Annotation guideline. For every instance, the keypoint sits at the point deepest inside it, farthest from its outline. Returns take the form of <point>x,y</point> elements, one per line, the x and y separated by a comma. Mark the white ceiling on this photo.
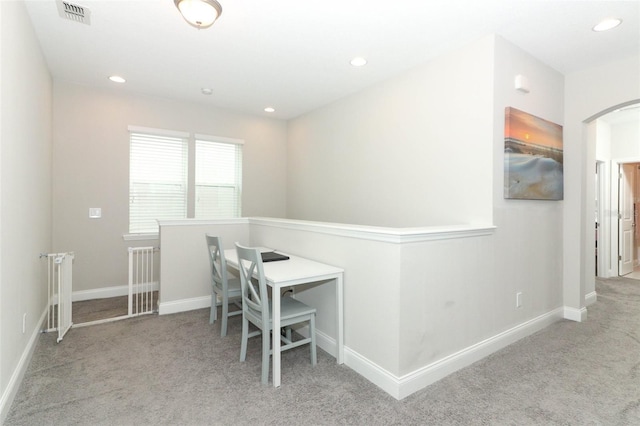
<point>294,54</point>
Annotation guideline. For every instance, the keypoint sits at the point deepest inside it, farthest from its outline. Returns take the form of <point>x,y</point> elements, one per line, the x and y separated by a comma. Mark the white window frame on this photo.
<point>191,172</point>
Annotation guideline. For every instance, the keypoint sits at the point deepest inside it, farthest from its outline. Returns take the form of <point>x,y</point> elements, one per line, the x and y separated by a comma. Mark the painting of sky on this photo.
<point>533,157</point>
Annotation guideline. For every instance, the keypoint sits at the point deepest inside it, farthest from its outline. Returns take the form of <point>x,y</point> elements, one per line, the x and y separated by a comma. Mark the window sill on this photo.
<point>140,237</point>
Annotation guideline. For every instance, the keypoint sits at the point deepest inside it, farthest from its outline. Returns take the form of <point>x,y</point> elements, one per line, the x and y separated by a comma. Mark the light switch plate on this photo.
<point>95,213</point>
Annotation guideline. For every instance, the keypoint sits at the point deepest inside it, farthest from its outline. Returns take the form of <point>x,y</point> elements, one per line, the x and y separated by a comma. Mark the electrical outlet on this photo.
<point>24,323</point>
<point>519,299</point>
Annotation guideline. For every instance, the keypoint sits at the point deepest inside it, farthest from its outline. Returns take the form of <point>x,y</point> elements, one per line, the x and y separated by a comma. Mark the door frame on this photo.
<point>603,220</point>
<point>609,231</point>
<point>626,218</point>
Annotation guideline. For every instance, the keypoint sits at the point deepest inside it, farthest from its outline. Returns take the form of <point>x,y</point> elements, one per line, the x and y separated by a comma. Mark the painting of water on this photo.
<point>532,157</point>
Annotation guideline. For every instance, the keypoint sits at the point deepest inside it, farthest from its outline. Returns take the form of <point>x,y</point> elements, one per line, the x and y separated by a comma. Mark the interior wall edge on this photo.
<point>7,397</point>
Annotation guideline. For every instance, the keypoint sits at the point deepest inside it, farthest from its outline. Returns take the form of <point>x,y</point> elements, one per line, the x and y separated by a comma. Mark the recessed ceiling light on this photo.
<point>117,79</point>
<point>358,62</point>
<point>270,109</point>
<point>206,91</point>
<point>607,24</point>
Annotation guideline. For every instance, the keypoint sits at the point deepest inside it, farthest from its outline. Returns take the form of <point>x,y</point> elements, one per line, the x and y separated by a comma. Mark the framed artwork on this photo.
<point>533,157</point>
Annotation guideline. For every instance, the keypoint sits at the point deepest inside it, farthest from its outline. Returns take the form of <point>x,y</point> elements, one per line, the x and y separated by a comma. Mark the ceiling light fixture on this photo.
<point>199,13</point>
<point>206,91</point>
<point>270,109</point>
<point>607,24</point>
<point>117,79</point>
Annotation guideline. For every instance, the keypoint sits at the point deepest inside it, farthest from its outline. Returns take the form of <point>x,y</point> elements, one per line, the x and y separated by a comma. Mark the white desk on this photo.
<point>285,273</point>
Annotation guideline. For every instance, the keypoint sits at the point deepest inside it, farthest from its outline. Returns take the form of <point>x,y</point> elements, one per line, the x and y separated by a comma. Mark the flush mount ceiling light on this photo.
<point>270,109</point>
<point>199,13</point>
<point>607,24</point>
<point>117,79</point>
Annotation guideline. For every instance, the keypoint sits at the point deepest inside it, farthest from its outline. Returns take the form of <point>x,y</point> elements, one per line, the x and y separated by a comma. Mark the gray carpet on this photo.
<point>111,307</point>
<point>99,309</point>
<point>177,370</point>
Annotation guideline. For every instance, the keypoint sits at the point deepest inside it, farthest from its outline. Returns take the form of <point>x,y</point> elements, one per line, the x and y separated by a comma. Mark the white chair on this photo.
<point>228,289</point>
<point>256,309</point>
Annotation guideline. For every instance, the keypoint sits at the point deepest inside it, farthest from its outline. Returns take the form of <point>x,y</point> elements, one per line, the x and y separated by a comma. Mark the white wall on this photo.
<point>91,169</point>
<point>185,275</point>
<point>449,300</point>
<point>414,150</point>
<point>528,251</point>
<point>25,193</point>
<point>625,139</point>
<point>599,134</point>
<point>443,304</point>
<point>588,93</point>
<point>603,140</point>
<point>450,119</point>
<point>469,287</point>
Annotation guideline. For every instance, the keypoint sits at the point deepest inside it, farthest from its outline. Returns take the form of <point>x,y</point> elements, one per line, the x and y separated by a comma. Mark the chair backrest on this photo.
<point>217,262</point>
<point>255,299</point>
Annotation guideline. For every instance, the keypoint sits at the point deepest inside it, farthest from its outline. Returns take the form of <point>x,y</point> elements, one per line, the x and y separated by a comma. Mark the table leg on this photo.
<point>340,319</point>
<point>275,296</point>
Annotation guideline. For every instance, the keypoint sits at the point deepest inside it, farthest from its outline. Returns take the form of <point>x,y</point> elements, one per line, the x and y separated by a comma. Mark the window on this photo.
<point>165,182</point>
<point>218,177</point>
<point>157,180</point>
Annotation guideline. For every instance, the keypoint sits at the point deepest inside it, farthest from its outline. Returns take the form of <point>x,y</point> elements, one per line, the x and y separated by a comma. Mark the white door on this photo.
<point>626,220</point>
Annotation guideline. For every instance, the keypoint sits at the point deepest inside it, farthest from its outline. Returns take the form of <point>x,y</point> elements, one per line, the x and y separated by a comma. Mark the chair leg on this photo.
<point>214,311</point>
<point>312,331</point>
<point>266,345</point>
<point>225,315</point>
<point>245,337</point>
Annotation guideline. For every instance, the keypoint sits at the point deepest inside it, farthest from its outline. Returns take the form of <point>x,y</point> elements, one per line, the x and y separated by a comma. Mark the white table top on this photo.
<point>295,270</point>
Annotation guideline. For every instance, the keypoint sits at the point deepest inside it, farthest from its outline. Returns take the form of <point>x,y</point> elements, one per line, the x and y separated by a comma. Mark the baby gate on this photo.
<point>142,286</point>
<point>59,287</point>
<point>142,289</point>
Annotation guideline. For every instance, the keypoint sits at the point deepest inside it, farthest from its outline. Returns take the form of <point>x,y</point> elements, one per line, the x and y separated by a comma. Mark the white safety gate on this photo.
<point>142,285</point>
<point>59,290</point>
<point>142,289</point>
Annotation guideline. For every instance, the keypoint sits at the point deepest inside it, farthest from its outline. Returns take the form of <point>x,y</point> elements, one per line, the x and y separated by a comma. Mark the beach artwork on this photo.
<point>532,157</point>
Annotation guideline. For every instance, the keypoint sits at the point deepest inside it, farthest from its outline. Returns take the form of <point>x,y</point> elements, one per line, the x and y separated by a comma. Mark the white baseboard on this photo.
<point>590,298</point>
<point>371,371</point>
<point>327,343</point>
<point>105,292</point>
<point>323,340</point>
<point>573,314</point>
<point>18,374</point>
<point>184,305</point>
<point>403,386</point>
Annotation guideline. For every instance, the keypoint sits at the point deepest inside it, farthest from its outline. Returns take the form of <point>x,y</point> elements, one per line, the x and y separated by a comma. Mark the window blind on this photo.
<point>218,179</point>
<point>157,180</point>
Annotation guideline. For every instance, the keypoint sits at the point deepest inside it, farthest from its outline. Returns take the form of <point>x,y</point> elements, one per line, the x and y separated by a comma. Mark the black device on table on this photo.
<point>272,256</point>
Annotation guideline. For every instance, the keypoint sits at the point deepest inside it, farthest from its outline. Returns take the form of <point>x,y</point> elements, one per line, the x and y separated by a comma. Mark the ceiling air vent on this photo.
<point>74,12</point>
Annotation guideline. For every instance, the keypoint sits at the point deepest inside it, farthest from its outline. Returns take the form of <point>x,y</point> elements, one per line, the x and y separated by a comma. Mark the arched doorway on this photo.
<point>617,155</point>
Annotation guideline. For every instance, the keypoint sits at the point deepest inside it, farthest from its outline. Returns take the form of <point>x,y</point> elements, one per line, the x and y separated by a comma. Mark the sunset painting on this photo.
<point>532,157</point>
